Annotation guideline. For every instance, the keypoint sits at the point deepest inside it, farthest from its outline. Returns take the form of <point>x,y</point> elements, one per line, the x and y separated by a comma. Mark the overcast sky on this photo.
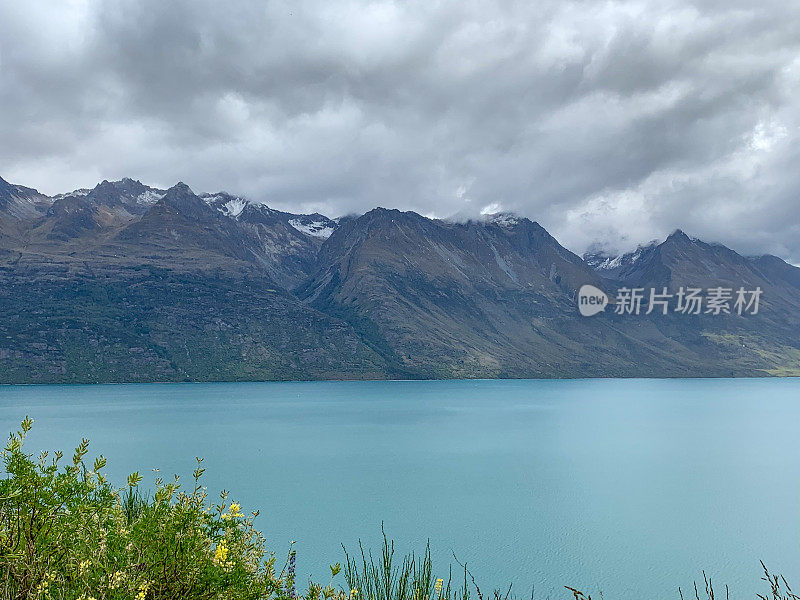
<point>608,122</point>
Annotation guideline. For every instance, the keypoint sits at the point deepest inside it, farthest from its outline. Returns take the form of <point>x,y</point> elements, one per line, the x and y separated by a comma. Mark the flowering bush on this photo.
<point>66,533</point>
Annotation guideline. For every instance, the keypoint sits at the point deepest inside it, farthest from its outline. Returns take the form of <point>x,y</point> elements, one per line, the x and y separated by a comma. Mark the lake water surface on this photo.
<point>626,486</point>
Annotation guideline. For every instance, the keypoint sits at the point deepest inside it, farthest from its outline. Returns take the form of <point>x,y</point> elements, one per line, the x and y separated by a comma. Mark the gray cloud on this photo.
<point>608,122</point>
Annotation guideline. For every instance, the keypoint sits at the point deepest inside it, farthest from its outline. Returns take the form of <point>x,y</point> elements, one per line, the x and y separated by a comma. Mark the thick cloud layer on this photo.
<point>608,122</point>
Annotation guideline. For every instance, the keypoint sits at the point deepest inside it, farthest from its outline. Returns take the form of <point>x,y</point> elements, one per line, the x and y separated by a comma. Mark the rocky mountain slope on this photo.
<point>684,262</point>
<point>125,282</point>
<point>178,292</point>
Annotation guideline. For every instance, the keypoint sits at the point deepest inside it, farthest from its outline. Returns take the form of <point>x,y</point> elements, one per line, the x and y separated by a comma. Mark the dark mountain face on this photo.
<point>769,339</point>
<point>494,299</point>
<point>174,294</point>
<point>285,244</point>
<point>8,193</point>
<point>680,260</point>
<point>21,202</point>
<point>19,205</point>
<point>182,223</point>
<point>109,320</point>
<point>127,282</point>
<point>127,217</point>
<point>71,217</point>
<point>520,256</point>
<point>776,269</point>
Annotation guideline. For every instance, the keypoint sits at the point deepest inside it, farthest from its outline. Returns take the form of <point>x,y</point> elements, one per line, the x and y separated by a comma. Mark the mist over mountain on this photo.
<point>126,282</point>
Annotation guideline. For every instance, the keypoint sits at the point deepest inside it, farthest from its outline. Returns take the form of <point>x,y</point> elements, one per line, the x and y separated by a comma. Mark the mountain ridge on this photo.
<point>125,282</point>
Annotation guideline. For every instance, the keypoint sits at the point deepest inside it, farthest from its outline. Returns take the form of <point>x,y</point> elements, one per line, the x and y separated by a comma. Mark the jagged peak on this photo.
<point>380,210</point>
<point>124,182</point>
<point>241,209</point>
<point>179,190</point>
<point>126,192</point>
<point>180,199</point>
<point>679,235</point>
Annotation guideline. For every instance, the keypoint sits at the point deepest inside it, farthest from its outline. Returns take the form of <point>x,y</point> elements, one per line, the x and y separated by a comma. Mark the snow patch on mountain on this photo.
<point>149,197</point>
<point>320,229</point>
<point>233,208</point>
<point>78,193</point>
<point>502,219</point>
<point>608,263</point>
<point>230,206</point>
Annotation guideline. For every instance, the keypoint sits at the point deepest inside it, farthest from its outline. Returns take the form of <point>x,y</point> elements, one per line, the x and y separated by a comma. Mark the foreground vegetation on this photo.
<point>67,534</point>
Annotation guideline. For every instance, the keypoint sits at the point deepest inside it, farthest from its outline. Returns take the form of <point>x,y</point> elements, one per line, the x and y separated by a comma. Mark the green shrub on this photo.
<point>66,533</point>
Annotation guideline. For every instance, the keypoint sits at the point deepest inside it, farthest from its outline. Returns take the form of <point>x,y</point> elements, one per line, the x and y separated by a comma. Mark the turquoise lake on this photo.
<point>631,487</point>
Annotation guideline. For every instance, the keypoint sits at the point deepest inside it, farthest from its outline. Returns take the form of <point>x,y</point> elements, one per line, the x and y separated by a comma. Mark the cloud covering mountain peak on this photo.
<point>600,120</point>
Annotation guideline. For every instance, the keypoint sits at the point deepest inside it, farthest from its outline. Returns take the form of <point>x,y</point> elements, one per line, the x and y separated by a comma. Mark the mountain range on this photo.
<point>126,282</point>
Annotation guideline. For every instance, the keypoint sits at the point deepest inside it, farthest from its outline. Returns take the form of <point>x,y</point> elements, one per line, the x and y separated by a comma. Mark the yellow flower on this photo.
<point>353,592</point>
<point>142,594</point>
<point>234,511</point>
<point>221,553</point>
<point>116,579</point>
<point>438,586</point>
<point>44,585</point>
